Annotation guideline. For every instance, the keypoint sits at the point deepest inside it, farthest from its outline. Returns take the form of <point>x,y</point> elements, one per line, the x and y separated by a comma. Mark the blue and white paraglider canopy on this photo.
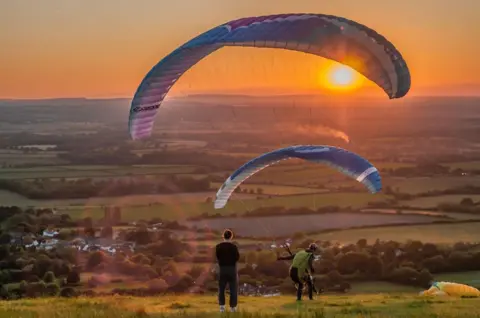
<point>345,161</point>
<point>331,37</point>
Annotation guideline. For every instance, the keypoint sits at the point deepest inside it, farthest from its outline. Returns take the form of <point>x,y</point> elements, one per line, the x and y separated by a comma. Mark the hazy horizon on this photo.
<point>234,94</point>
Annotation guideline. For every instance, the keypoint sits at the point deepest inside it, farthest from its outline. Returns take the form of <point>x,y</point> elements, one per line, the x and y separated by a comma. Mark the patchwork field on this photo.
<point>434,233</point>
<point>451,215</point>
<point>18,157</point>
<point>274,189</point>
<point>339,306</point>
<point>288,225</point>
<point>293,186</point>
<point>469,165</point>
<point>432,202</point>
<point>419,185</point>
<point>237,205</point>
<point>299,175</point>
<point>313,201</point>
<point>319,176</point>
<point>181,205</point>
<point>145,200</point>
<point>75,172</point>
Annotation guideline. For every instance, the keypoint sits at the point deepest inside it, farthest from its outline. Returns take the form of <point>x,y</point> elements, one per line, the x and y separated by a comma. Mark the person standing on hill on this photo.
<point>227,257</point>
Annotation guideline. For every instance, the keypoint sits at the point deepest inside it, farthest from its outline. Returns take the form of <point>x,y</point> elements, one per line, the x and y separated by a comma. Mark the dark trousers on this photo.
<point>228,275</point>
<point>301,283</point>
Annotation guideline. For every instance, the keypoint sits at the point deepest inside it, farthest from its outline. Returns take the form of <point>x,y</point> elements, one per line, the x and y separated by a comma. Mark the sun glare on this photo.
<point>341,78</point>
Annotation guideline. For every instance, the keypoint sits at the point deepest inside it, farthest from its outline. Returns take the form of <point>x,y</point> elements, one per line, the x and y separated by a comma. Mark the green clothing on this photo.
<point>301,262</point>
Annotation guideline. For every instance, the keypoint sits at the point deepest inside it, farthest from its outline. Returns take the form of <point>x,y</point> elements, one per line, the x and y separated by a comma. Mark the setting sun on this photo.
<point>340,78</point>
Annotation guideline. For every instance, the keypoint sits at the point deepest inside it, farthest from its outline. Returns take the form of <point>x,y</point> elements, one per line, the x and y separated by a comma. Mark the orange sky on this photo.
<point>92,48</point>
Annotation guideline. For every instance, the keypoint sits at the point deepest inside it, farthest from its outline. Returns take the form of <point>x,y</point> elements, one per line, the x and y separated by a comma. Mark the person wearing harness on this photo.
<point>301,269</point>
<point>227,257</point>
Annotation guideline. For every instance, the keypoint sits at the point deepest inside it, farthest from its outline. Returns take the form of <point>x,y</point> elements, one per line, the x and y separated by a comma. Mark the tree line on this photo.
<point>31,273</point>
<point>43,189</point>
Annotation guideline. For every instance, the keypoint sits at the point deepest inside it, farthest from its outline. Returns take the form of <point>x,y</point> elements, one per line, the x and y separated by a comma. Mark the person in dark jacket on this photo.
<point>227,257</point>
<point>301,269</point>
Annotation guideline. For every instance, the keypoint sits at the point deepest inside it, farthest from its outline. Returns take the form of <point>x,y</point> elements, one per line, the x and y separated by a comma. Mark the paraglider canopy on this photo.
<point>346,162</point>
<point>451,289</point>
<point>331,37</point>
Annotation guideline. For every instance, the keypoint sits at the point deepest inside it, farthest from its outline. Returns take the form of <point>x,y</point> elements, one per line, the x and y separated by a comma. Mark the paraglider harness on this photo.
<point>310,278</point>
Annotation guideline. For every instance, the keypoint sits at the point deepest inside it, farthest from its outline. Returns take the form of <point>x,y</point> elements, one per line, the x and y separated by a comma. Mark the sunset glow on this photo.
<point>107,54</point>
<point>340,78</point>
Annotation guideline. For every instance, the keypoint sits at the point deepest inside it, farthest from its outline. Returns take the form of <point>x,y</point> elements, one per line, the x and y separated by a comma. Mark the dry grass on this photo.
<point>373,305</point>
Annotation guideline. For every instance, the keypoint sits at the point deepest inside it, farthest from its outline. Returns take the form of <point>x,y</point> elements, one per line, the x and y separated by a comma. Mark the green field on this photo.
<point>452,215</point>
<point>296,175</point>
<point>469,278</point>
<point>18,157</point>
<point>434,233</point>
<point>312,178</point>
<point>469,165</point>
<point>361,305</point>
<point>313,201</point>
<point>182,210</point>
<point>432,202</point>
<point>181,205</point>
<point>75,172</point>
<point>300,175</point>
<point>286,225</point>
<point>311,175</point>
<point>419,185</point>
<point>275,189</point>
<point>144,200</point>
<point>392,165</point>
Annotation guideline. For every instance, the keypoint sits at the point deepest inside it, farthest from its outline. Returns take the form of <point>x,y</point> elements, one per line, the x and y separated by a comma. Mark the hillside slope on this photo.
<point>378,305</point>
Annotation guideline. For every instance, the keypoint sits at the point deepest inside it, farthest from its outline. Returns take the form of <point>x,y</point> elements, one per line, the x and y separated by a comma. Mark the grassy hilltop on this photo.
<point>379,305</point>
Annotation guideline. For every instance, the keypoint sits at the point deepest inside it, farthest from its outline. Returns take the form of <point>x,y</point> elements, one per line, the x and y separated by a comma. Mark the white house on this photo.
<point>48,233</point>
